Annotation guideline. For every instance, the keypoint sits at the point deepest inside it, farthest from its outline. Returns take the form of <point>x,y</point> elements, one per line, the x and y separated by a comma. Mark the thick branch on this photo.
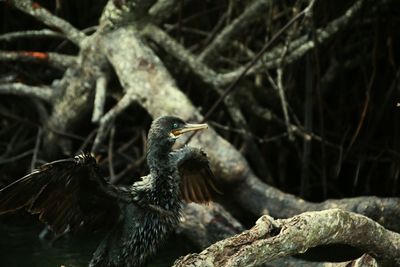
<point>143,76</point>
<point>205,225</point>
<point>77,91</point>
<point>295,235</point>
<point>259,198</point>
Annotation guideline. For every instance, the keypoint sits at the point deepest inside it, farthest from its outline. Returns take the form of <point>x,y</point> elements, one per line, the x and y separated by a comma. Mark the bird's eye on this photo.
<point>175,125</point>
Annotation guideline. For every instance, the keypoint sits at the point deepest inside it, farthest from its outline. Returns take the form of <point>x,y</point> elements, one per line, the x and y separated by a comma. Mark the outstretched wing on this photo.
<point>68,193</point>
<point>198,183</point>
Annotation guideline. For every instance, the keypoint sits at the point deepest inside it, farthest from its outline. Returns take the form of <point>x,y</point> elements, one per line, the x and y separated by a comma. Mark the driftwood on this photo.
<point>205,225</point>
<point>121,44</point>
<point>271,239</point>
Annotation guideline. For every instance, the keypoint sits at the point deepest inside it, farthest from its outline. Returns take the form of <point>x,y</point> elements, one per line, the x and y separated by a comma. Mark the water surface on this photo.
<point>20,246</point>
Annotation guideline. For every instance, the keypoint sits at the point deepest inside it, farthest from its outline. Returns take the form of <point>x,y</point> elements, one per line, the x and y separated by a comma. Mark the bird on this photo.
<point>71,194</point>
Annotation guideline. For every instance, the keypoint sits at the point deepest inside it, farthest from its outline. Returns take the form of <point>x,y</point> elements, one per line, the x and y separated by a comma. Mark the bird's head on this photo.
<point>171,128</point>
<point>165,130</point>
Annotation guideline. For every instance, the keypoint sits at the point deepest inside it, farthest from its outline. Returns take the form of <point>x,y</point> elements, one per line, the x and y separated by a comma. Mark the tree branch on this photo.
<point>163,9</point>
<point>56,60</point>
<point>41,92</point>
<point>148,80</point>
<point>179,52</point>
<point>271,239</point>
<point>100,98</point>
<point>229,33</point>
<point>109,117</point>
<point>259,198</point>
<point>296,49</point>
<point>299,47</point>
<point>10,36</point>
<point>43,15</point>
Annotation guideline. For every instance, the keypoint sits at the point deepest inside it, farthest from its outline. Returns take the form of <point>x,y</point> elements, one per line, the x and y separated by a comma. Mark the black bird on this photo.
<point>71,194</point>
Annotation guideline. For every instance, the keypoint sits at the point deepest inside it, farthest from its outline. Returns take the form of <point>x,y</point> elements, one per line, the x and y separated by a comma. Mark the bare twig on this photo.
<point>204,72</point>
<point>177,50</point>
<point>45,33</point>
<point>308,126</point>
<point>284,103</point>
<point>321,118</point>
<point>42,14</point>
<point>272,59</point>
<point>57,60</point>
<point>253,12</point>
<point>17,157</point>
<point>163,9</point>
<point>133,164</point>
<point>41,92</point>
<point>36,149</point>
<point>86,142</point>
<point>111,153</point>
<point>299,47</point>
<point>100,98</point>
<point>105,121</point>
<point>256,58</point>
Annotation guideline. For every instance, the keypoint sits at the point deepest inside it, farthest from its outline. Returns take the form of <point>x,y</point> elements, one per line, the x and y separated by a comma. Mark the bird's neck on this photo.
<point>158,151</point>
<point>164,189</point>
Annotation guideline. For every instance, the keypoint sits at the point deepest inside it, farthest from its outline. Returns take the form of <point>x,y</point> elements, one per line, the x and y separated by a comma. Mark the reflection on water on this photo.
<point>20,247</point>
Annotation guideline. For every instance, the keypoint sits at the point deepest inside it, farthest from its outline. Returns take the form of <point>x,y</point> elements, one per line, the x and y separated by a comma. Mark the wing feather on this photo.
<point>66,194</point>
<point>198,183</point>
<point>185,190</point>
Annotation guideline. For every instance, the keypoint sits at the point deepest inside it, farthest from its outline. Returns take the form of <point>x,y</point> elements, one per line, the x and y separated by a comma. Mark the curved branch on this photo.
<point>205,225</point>
<point>272,239</point>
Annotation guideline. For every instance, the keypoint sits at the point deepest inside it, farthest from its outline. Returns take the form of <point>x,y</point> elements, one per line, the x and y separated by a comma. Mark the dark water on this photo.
<point>20,247</point>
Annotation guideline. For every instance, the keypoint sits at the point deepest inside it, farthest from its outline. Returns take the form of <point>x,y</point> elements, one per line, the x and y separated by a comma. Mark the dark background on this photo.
<point>344,94</point>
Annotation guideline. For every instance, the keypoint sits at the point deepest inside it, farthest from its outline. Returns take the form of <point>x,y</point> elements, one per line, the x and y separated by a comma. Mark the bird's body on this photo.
<point>156,210</point>
<point>70,194</point>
